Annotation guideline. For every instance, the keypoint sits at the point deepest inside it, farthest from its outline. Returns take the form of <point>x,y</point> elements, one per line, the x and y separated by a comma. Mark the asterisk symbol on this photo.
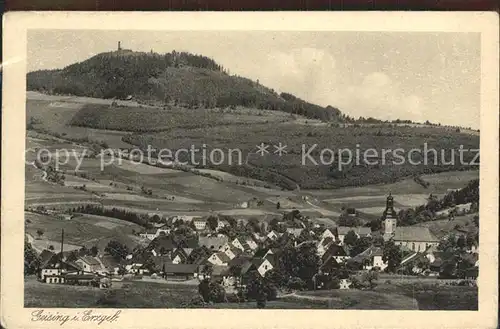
<point>262,149</point>
<point>280,149</point>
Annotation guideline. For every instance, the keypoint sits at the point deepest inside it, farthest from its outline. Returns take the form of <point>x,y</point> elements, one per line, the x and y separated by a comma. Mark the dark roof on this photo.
<point>361,230</point>
<point>258,261</point>
<point>414,233</point>
<point>164,242</point>
<point>181,268</point>
<point>240,260</point>
<point>368,253</point>
<point>334,250</point>
<point>326,241</point>
<point>109,261</point>
<point>160,261</point>
<point>223,257</point>
<point>215,242</point>
<point>245,267</point>
<point>45,257</point>
<point>77,276</point>
<point>329,262</point>
<point>90,260</point>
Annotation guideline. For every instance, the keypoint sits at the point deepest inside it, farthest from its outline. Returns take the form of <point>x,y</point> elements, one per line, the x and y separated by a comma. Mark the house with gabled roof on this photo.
<point>109,263</point>
<point>294,231</point>
<point>273,235</point>
<point>241,243</point>
<point>180,255</point>
<point>200,223</point>
<point>360,232</point>
<point>370,258</point>
<point>328,264</point>
<point>263,265</point>
<point>162,245</point>
<point>323,245</point>
<point>219,258</point>
<point>232,252</point>
<point>328,233</point>
<point>181,271</point>
<point>336,251</point>
<point>213,243</point>
<point>89,264</point>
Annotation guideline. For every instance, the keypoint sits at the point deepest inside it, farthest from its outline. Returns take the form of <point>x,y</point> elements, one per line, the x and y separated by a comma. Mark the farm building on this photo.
<point>213,242</point>
<point>359,231</point>
<point>89,264</point>
<point>181,271</point>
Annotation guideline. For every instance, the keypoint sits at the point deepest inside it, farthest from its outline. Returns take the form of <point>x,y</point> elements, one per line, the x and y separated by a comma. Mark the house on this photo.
<point>109,264</point>
<point>135,268</point>
<point>221,224</point>
<point>180,255</point>
<point>258,237</point>
<point>241,243</point>
<point>262,265</point>
<point>359,231</point>
<point>89,264</point>
<point>219,258</point>
<point>323,245</point>
<point>328,265</point>
<point>294,231</point>
<point>327,233</point>
<point>272,235</point>
<point>232,252</point>
<point>82,278</point>
<point>213,242</point>
<point>162,245</point>
<point>251,243</point>
<point>160,262</point>
<point>345,284</point>
<point>200,224</point>
<point>53,269</point>
<point>181,271</point>
<point>370,258</point>
<point>337,252</point>
<point>149,234</point>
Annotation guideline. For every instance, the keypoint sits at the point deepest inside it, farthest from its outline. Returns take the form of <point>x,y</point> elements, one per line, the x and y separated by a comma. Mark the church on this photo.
<point>415,238</point>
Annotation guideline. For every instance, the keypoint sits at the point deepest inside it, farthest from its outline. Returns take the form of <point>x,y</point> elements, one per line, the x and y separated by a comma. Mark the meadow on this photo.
<point>82,230</point>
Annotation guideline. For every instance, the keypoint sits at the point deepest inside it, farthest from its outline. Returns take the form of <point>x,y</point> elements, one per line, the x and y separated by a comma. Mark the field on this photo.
<point>140,294</point>
<point>82,230</point>
<point>422,296</point>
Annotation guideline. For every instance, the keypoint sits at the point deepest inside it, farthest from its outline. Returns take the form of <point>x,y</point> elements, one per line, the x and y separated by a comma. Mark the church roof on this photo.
<point>414,233</point>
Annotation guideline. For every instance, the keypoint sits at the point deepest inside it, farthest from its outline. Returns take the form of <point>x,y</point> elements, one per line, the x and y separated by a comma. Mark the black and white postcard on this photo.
<point>199,170</point>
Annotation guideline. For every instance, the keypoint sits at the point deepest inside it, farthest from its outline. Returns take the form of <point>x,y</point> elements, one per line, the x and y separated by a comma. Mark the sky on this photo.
<point>387,75</point>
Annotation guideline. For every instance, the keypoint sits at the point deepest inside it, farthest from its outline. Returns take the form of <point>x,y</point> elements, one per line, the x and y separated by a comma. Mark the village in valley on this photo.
<point>265,234</point>
<point>233,261</point>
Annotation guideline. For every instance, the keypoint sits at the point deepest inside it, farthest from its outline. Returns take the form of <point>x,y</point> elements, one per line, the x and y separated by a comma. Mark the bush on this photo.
<point>108,299</point>
<point>296,284</point>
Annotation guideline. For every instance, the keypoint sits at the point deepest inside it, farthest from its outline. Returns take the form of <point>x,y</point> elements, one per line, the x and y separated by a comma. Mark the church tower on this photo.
<point>119,45</point>
<point>390,218</point>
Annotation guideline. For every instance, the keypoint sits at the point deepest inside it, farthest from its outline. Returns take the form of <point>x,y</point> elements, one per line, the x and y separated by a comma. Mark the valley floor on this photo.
<point>142,294</point>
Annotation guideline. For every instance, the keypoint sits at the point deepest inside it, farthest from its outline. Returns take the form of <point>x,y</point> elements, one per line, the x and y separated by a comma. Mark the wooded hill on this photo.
<point>181,79</point>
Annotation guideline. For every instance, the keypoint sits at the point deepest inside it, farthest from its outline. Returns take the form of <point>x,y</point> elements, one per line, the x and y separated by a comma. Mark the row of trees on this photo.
<point>129,216</point>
